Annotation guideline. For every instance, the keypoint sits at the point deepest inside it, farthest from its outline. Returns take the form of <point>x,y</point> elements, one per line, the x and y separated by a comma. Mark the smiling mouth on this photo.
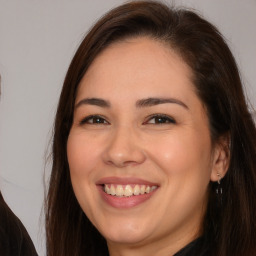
<point>127,190</point>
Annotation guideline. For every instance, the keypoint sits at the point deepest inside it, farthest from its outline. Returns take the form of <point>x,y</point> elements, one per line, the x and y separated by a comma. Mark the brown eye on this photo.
<point>94,119</point>
<point>160,119</point>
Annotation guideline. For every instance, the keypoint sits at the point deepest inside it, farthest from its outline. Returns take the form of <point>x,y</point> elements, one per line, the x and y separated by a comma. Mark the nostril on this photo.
<point>122,159</point>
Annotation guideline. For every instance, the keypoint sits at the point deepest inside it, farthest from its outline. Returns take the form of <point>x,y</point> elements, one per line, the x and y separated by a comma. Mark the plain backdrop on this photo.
<point>37,41</point>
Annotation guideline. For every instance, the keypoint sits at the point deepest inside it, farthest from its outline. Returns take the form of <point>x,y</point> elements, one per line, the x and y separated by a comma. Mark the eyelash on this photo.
<point>162,119</point>
<point>87,120</point>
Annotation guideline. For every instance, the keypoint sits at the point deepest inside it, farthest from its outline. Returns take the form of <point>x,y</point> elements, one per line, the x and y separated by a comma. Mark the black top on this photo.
<point>195,248</point>
<point>14,238</point>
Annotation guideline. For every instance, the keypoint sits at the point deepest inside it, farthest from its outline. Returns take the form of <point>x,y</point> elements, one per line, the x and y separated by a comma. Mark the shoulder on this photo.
<point>14,238</point>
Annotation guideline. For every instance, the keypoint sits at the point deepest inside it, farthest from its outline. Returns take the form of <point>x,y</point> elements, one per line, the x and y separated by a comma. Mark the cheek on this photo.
<point>81,155</point>
<point>182,154</point>
<point>82,159</point>
<point>185,161</point>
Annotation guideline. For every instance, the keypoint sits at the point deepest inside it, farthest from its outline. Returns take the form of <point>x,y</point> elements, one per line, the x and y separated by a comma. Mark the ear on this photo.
<point>221,158</point>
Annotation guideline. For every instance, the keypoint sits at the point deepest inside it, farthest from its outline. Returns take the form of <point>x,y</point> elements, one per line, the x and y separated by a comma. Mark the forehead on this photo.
<point>137,65</point>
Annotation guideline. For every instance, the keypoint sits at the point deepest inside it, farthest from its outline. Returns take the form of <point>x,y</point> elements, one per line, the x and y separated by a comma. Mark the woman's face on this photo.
<point>139,150</point>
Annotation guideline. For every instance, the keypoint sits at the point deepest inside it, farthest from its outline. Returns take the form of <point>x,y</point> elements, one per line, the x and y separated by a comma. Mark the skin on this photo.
<point>176,153</point>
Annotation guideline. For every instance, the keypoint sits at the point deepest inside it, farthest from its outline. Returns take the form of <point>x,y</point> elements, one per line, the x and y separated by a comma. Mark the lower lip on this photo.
<point>125,202</point>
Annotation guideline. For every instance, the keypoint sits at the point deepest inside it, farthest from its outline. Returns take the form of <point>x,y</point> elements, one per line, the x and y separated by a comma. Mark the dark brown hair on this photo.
<point>229,228</point>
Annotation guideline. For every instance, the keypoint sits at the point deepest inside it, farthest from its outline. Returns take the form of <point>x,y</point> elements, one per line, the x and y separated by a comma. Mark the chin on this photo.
<point>128,238</point>
<point>124,234</point>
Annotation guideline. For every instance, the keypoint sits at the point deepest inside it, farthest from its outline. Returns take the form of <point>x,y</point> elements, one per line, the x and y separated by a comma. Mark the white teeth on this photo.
<point>112,190</point>
<point>107,189</point>
<point>119,190</point>
<point>153,188</point>
<point>136,190</point>
<point>127,190</point>
<point>142,189</point>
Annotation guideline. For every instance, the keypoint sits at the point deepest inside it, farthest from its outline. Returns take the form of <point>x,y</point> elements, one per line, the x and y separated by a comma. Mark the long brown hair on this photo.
<point>229,227</point>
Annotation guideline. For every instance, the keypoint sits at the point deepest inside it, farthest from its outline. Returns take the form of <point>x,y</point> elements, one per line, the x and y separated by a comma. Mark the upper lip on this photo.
<point>125,181</point>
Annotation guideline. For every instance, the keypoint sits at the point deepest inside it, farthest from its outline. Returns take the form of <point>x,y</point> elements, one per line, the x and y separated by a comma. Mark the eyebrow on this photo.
<point>93,101</point>
<point>149,102</point>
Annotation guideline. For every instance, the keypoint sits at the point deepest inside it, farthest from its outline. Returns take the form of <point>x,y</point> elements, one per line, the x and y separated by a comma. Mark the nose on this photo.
<point>123,148</point>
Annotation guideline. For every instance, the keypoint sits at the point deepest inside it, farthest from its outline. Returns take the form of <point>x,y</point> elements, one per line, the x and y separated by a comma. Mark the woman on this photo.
<point>154,148</point>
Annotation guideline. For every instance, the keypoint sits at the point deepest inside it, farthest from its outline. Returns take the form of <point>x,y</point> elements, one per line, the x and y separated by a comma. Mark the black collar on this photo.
<point>195,248</point>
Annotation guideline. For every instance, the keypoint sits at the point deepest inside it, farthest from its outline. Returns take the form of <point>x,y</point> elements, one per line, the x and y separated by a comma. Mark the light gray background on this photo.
<point>37,41</point>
